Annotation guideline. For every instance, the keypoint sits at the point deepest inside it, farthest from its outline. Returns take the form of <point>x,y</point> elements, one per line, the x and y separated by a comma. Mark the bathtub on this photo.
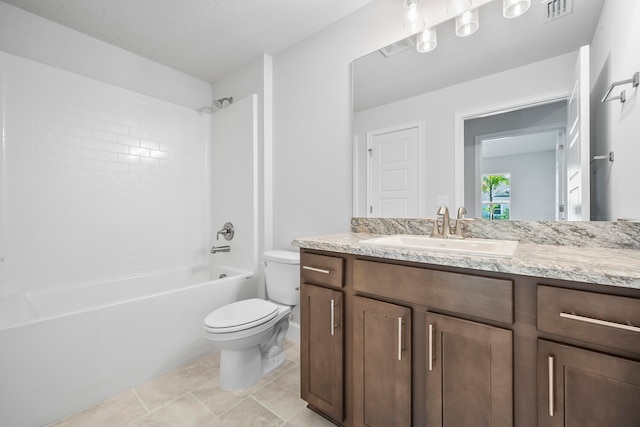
<point>62,351</point>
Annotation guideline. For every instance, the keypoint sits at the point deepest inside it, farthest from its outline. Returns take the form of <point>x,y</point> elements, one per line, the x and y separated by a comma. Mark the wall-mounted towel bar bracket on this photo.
<point>606,156</point>
<point>635,81</point>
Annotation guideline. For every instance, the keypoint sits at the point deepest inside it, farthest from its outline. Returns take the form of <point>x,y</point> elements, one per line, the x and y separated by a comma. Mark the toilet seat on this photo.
<point>241,315</point>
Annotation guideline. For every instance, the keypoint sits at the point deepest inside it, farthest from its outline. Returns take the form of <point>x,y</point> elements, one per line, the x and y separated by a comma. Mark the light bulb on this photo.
<point>427,40</point>
<point>467,23</point>
<point>514,8</point>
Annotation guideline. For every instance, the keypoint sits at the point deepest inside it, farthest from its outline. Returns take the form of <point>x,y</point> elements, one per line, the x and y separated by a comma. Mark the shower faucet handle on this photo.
<point>227,231</point>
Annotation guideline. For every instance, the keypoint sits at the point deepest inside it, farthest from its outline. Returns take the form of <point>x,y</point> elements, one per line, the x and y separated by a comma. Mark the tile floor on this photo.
<point>189,396</point>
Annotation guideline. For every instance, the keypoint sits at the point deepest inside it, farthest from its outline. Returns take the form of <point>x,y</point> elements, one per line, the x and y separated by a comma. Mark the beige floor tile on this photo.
<point>168,387</point>
<point>292,351</point>
<point>248,413</point>
<point>307,418</point>
<point>218,401</point>
<point>282,395</point>
<point>115,411</point>
<point>185,411</point>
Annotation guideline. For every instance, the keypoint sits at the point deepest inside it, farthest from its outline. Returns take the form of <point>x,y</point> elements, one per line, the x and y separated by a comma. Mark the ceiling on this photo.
<point>203,38</point>
<point>499,44</point>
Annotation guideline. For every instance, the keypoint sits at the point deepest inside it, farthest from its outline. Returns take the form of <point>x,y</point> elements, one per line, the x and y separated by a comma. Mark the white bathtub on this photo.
<point>64,350</point>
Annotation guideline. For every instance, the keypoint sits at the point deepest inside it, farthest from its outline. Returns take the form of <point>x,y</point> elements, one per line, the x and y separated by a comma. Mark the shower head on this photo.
<point>220,102</point>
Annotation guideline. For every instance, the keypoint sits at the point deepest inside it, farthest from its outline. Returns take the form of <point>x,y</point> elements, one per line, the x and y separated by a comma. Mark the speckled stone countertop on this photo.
<point>604,266</point>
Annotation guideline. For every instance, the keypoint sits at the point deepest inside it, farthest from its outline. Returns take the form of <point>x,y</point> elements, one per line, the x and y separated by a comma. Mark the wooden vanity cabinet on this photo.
<point>413,344</point>
<point>469,379</point>
<point>381,363</point>
<point>584,388</point>
<point>322,335</point>
<point>579,386</point>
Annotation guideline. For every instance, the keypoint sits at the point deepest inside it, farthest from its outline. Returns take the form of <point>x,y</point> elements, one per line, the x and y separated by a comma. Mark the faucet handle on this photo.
<point>227,231</point>
<point>461,212</point>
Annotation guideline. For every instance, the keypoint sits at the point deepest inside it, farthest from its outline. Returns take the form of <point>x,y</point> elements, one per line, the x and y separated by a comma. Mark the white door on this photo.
<point>577,153</point>
<point>394,174</point>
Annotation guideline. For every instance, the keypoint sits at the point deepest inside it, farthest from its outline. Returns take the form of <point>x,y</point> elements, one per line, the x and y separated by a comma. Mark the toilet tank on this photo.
<point>282,276</point>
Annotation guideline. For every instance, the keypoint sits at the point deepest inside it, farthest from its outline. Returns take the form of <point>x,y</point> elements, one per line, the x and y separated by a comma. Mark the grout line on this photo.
<point>141,401</point>
<point>266,407</point>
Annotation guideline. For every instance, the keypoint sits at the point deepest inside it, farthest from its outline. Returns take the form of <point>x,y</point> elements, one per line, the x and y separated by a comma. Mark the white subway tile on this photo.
<point>129,122</point>
<point>117,148</point>
<point>153,145</point>
<point>129,159</point>
<point>139,133</point>
<point>116,128</point>
<point>94,124</point>
<point>139,169</point>
<point>79,131</point>
<point>129,140</point>
<point>159,154</point>
<point>105,136</point>
<point>137,151</point>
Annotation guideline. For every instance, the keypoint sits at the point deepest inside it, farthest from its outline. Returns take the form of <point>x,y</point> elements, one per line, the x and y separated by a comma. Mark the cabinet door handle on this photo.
<point>399,338</point>
<point>317,270</point>
<point>333,316</point>
<point>551,381</point>
<point>431,329</point>
<point>599,322</point>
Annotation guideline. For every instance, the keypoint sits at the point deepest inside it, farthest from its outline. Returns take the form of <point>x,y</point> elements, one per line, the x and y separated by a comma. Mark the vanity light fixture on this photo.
<point>467,23</point>
<point>456,7</point>
<point>514,8</point>
<point>413,21</point>
<point>427,40</point>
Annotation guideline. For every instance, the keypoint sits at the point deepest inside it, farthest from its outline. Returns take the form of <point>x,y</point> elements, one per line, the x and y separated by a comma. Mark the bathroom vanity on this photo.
<point>391,337</point>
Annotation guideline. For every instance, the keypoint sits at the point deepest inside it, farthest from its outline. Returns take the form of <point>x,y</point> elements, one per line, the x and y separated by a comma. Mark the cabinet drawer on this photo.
<point>322,270</point>
<point>608,320</point>
<point>477,296</point>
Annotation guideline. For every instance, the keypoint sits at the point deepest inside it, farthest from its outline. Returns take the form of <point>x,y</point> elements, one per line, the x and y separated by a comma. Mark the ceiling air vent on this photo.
<point>557,8</point>
<point>397,47</point>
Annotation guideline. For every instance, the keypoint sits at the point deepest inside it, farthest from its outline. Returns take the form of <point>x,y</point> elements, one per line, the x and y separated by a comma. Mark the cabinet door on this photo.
<point>381,364</point>
<point>583,388</point>
<point>469,375</point>
<point>321,350</point>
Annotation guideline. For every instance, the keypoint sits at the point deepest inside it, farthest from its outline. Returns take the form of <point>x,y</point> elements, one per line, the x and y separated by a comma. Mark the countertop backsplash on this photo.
<point>588,234</point>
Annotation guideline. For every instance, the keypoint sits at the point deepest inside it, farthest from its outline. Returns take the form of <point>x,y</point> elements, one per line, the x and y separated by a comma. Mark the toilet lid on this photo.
<point>241,315</point>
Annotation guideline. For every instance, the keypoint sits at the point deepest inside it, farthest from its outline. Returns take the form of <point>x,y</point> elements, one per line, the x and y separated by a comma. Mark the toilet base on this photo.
<point>240,369</point>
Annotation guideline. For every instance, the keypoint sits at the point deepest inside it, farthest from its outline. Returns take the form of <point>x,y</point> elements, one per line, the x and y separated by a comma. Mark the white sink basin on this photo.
<point>497,248</point>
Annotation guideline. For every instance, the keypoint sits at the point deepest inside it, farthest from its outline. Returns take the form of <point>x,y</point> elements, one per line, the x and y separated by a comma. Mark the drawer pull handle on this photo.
<point>551,380</point>
<point>317,270</point>
<point>599,322</point>
<point>333,317</point>
<point>399,338</point>
<point>431,328</point>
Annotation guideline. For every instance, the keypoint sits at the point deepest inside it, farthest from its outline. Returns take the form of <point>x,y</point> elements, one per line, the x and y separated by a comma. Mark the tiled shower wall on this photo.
<point>97,181</point>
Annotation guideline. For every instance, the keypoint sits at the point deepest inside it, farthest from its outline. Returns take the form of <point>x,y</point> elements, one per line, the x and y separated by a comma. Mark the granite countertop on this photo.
<point>604,266</point>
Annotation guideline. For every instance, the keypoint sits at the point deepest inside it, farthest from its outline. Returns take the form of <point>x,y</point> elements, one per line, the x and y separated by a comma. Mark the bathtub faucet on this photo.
<point>215,249</point>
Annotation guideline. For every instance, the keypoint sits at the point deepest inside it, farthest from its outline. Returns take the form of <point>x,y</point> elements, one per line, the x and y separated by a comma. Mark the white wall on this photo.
<point>234,182</point>
<point>28,35</point>
<point>312,122</point>
<point>256,77</point>
<point>615,127</point>
<point>97,181</point>
<point>533,183</point>
<point>103,159</point>
<point>438,109</point>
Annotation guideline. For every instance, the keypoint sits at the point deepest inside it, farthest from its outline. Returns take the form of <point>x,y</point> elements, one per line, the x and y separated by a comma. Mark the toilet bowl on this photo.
<point>250,333</point>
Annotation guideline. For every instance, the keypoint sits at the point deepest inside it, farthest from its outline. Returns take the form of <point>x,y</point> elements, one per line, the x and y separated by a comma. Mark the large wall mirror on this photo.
<point>435,128</point>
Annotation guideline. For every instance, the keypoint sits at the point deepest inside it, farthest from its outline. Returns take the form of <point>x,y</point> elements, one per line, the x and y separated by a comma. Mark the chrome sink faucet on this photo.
<point>444,232</point>
<point>458,232</point>
<point>446,225</point>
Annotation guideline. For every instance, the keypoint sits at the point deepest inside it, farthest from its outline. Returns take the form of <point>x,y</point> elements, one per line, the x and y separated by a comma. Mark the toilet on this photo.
<point>250,333</point>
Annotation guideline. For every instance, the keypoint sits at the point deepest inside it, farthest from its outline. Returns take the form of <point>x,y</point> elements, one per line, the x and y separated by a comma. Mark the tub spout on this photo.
<point>217,249</point>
